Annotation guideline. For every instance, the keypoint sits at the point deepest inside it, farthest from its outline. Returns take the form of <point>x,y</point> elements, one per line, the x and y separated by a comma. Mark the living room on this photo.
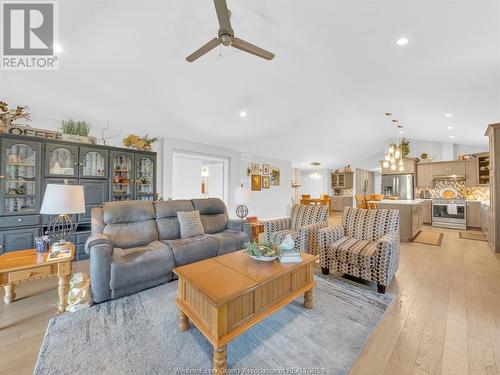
<point>235,186</point>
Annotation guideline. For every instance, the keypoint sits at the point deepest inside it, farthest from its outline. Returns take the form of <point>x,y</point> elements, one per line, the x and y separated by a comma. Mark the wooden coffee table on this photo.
<point>25,265</point>
<point>226,295</point>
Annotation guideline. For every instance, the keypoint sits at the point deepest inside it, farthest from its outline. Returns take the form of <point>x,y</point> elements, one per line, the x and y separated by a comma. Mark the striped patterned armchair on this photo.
<point>365,245</point>
<point>303,224</point>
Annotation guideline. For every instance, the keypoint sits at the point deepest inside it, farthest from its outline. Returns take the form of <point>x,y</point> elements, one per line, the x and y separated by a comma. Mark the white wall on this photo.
<point>272,202</point>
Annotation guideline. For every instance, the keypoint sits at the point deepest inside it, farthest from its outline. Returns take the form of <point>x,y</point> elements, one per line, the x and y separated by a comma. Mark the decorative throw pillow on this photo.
<point>190,224</point>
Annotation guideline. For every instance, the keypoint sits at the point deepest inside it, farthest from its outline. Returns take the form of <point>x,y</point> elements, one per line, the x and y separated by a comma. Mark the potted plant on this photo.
<point>76,131</point>
<point>8,116</point>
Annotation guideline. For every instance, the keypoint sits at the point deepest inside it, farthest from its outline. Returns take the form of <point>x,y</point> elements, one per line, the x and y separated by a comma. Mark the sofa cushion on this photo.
<point>230,240</point>
<point>193,249</point>
<point>127,212</point>
<point>139,264</point>
<point>132,234</point>
<point>129,224</point>
<point>276,238</point>
<point>213,214</point>
<point>350,250</point>
<point>166,217</point>
<point>190,224</point>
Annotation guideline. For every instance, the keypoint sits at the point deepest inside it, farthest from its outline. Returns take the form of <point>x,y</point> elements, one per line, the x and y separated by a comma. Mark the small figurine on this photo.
<point>288,243</point>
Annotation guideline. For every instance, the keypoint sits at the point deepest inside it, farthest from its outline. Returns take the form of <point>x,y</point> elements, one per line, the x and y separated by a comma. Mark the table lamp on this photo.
<point>62,200</point>
<point>241,196</point>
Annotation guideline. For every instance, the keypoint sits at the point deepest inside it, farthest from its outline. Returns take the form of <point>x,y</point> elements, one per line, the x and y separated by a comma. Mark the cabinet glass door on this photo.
<point>20,177</point>
<point>61,161</point>
<point>144,177</point>
<point>93,163</point>
<point>122,176</point>
<point>341,180</point>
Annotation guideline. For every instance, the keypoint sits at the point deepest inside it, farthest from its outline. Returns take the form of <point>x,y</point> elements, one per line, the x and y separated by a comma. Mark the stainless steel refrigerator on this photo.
<point>400,185</point>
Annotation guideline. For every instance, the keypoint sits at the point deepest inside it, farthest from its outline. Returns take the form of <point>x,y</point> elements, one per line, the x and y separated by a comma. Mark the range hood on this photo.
<point>448,177</point>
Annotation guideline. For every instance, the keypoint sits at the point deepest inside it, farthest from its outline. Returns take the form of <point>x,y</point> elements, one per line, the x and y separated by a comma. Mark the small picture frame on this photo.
<point>266,182</point>
<point>255,168</point>
<point>265,169</point>
<point>275,176</point>
<point>256,182</point>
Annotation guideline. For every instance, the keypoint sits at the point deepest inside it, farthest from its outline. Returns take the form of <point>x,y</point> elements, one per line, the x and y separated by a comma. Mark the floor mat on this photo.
<point>476,236</point>
<point>429,238</point>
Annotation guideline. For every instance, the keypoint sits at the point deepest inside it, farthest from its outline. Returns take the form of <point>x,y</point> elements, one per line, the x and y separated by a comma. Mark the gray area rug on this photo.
<point>139,335</point>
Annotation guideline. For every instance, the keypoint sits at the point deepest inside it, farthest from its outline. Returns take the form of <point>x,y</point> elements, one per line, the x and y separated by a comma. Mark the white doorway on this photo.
<point>197,175</point>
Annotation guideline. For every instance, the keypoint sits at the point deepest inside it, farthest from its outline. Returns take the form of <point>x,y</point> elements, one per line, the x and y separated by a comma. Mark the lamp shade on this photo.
<point>63,199</point>
<point>241,195</point>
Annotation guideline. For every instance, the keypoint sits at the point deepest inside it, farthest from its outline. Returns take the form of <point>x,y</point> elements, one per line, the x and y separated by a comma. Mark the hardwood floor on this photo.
<point>445,318</point>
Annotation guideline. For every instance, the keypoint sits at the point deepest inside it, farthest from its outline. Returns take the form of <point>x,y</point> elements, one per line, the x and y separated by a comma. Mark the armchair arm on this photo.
<point>388,256</point>
<point>274,225</point>
<point>308,237</point>
<point>97,239</point>
<point>241,225</point>
<point>327,236</point>
<point>100,248</point>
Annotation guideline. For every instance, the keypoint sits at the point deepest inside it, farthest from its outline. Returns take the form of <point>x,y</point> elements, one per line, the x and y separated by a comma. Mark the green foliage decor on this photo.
<point>262,250</point>
<point>73,127</point>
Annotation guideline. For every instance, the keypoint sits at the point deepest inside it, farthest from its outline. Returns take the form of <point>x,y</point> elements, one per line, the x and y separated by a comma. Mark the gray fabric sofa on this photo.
<point>135,245</point>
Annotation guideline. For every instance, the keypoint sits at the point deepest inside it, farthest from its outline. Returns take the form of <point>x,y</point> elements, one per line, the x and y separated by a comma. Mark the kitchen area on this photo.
<point>452,194</point>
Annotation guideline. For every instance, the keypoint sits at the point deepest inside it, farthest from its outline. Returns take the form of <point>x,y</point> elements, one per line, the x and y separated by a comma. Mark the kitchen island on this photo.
<point>410,215</point>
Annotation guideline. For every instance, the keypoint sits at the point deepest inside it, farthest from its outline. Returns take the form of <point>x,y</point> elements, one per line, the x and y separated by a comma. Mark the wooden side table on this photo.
<point>257,228</point>
<point>26,265</point>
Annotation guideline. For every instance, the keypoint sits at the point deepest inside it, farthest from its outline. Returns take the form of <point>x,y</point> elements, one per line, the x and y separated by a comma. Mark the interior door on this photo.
<point>20,177</point>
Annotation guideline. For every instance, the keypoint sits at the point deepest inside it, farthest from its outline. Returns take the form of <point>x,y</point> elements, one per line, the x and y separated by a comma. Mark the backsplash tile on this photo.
<point>477,193</point>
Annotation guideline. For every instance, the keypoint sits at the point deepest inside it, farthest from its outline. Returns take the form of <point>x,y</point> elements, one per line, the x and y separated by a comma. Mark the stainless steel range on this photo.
<point>449,213</point>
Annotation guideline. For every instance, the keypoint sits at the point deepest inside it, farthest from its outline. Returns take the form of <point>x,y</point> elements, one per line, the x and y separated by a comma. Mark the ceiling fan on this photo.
<point>227,38</point>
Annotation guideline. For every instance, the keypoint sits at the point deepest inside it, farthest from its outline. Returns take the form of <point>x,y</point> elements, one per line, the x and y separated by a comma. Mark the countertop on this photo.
<point>399,201</point>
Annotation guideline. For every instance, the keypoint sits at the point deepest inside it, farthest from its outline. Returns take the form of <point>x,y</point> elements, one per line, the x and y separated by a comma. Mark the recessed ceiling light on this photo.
<point>452,137</point>
<point>315,164</point>
<point>448,115</point>
<point>395,121</point>
<point>388,114</point>
<point>451,127</point>
<point>57,48</point>
<point>243,114</point>
<point>401,132</point>
<point>402,41</point>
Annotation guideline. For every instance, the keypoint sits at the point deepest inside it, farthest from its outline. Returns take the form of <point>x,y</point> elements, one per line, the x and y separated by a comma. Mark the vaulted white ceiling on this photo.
<point>337,70</point>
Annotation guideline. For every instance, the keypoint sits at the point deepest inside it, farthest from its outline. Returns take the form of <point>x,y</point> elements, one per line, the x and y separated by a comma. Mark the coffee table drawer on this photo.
<point>16,276</point>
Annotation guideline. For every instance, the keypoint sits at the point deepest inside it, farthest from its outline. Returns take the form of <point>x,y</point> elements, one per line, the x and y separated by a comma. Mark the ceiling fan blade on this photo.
<point>223,16</point>
<point>203,50</point>
<point>250,48</point>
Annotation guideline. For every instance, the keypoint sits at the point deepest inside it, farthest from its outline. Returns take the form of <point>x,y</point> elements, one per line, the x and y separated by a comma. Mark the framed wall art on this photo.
<point>266,183</point>
<point>256,182</point>
<point>255,168</point>
<point>265,169</point>
<point>275,176</point>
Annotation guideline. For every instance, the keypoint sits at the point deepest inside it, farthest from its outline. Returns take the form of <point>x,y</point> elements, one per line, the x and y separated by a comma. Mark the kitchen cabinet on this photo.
<point>427,212</point>
<point>409,167</point>
<point>342,180</point>
<point>448,168</point>
<point>474,214</point>
<point>339,203</point>
<point>424,175</point>
<point>471,173</point>
<point>483,168</point>
<point>410,216</point>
